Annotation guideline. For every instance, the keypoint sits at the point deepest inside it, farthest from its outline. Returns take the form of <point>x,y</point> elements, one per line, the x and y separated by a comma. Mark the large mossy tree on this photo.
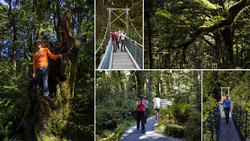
<point>25,114</point>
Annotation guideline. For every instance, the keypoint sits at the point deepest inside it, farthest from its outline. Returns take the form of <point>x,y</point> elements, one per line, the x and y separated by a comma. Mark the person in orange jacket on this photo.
<point>223,97</point>
<point>40,66</point>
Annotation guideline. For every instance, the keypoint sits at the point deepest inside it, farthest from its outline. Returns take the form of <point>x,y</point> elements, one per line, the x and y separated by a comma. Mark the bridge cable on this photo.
<point>134,27</point>
<point>103,37</point>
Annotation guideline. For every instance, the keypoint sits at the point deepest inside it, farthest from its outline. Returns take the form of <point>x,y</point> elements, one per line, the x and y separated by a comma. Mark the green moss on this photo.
<point>170,129</point>
<point>207,4</point>
<point>108,135</point>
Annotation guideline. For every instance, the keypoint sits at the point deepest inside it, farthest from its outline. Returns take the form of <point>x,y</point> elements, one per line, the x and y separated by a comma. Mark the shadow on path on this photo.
<point>131,134</point>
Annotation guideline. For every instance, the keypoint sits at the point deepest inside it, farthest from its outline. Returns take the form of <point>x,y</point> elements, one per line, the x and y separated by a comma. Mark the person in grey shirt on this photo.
<point>123,35</point>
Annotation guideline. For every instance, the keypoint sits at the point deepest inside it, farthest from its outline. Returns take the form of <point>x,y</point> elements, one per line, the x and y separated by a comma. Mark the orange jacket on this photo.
<point>40,58</point>
<point>224,97</point>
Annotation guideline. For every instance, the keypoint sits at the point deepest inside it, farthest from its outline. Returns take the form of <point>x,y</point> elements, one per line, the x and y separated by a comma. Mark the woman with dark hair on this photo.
<point>226,102</point>
<point>123,35</point>
<point>140,113</point>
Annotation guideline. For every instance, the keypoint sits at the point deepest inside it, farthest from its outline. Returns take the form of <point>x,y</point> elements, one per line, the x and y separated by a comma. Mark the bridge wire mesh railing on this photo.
<point>211,126</point>
<point>135,51</point>
<point>241,120</point>
<point>106,61</point>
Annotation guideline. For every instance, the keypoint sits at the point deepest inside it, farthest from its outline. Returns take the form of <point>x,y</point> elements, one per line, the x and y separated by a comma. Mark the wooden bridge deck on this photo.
<point>121,60</point>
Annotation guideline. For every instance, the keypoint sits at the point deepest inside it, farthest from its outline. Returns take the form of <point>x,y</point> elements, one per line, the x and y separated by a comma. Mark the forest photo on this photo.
<point>197,34</point>
<point>46,70</point>
<point>219,84</point>
<point>119,34</point>
<point>118,91</point>
<point>124,70</point>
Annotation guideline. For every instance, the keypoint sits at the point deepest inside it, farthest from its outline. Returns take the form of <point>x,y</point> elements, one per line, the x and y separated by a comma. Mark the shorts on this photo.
<point>156,107</point>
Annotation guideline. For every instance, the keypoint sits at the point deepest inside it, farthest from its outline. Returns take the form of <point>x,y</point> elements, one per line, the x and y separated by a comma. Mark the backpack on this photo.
<point>114,37</point>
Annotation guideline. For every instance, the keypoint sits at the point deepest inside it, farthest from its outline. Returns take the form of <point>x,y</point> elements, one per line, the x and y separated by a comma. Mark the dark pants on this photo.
<point>123,45</point>
<point>140,117</point>
<point>227,114</point>
<point>114,46</point>
<point>146,116</point>
<point>117,44</point>
<point>42,79</point>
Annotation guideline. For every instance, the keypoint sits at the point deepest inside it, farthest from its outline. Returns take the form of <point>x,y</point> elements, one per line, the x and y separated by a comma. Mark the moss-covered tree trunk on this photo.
<point>46,119</point>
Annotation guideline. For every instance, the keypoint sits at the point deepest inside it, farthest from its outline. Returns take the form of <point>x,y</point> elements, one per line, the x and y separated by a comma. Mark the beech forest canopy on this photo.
<point>24,22</point>
<point>197,34</point>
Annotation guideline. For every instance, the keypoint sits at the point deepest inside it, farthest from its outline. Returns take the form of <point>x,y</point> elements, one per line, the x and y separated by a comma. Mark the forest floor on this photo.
<point>131,133</point>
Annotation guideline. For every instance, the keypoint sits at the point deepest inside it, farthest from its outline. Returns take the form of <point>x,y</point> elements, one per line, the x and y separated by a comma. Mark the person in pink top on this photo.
<point>140,113</point>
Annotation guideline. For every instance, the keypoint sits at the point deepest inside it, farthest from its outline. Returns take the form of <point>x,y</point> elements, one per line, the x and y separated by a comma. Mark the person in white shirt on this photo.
<point>123,35</point>
<point>157,105</point>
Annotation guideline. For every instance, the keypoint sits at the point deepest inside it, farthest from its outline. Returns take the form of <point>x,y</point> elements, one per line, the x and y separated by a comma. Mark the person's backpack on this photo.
<point>114,37</point>
<point>140,106</point>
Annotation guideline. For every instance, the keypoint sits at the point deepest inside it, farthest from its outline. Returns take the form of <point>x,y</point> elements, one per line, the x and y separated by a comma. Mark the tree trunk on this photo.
<point>149,85</point>
<point>148,5</point>
<point>138,80</point>
<point>44,117</point>
<point>228,46</point>
<point>11,16</point>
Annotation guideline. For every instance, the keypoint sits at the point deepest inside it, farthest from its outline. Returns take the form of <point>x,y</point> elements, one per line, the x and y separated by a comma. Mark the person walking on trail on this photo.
<point>226,103</point>
<point>118,38</point>
<point>123,35</point>
<point>140,113</point>
<point>146,106</point>
<point>157,106</point>
<point>113,38</point>
<point>40,66</point>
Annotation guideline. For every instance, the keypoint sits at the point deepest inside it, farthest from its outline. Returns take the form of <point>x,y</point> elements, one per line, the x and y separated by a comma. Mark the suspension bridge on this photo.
<point>215,127</point>
<point>132,57</point>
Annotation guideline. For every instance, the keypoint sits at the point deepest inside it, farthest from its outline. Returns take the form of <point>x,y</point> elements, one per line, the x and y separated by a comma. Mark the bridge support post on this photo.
<point>125,10</point>
<point>109,26</point>
<point>127,19</point>
<point>228,91</point>
<point>221,88</point>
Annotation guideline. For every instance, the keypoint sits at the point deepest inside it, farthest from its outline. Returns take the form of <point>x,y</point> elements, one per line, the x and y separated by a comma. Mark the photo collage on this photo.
<point>125,70</point>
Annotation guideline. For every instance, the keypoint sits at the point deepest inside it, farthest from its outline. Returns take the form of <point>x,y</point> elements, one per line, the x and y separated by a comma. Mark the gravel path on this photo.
<point>131,134</point>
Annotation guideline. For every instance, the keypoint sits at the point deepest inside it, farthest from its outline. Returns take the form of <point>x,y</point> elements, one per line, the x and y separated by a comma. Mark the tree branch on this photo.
<point>233,12</point>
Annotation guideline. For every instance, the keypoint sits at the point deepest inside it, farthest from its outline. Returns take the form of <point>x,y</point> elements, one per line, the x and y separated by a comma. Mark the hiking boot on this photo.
<point>138,129</point>
<point>143,131</point>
